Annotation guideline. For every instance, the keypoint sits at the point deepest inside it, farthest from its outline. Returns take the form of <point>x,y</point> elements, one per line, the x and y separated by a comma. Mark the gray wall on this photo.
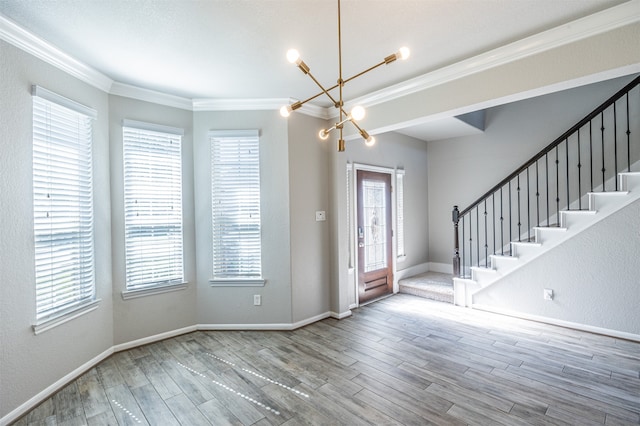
<point>309,175</point>
<point>393,151</point>
<point>463,169</point>
<point>594,278</point>
<point>154,314</point>
<point>234,305</point>
<point>30,363</point>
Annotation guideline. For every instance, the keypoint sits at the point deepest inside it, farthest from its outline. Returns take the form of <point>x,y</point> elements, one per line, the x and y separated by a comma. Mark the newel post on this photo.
<point>455,216</point>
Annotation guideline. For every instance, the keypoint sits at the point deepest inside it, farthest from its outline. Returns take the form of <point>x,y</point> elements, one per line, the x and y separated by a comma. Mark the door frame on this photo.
<point>353,237</point>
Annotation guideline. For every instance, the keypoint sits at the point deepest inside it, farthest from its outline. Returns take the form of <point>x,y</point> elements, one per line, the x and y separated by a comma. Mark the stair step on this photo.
<point>505,262</point>
<point>522,248</point>
<point>629,180</point>
<point>483,275</point>
<point>431,285</point>
<point>573,217</point>
<point>545,233</point>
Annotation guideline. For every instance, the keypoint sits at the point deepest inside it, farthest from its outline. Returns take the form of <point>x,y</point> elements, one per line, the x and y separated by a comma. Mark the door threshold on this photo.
<point>384,296</point>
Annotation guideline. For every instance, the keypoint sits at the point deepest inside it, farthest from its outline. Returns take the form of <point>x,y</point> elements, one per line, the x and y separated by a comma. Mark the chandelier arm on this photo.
<point>325,91</point>
<point>363,72</point>
<point>335,86</point>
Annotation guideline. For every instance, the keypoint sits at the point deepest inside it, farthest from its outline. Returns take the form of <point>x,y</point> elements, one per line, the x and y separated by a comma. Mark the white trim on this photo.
<point>238,104</point>
<point>254,327</point>
<point>589,26</point>
<point>237,282</point>
<point>257,105</point>
<point>219,134</point>
<point>443,268</point>
<point>33,402</point>
<point>143,292</point>
<point>413,270</point>
<point>50,96</point>
<point>59,319</point>
<point>152,127</point>
<point>155,338</point>
<point>343,315</point>
<point>272,326</point>
<point>148,95</point>
<point>14,34</point>
<point>561,323</point>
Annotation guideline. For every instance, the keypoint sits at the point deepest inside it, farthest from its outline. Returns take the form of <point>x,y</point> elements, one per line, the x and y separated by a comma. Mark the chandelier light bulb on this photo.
<point>285,111</point>
<point>293,56</point>
<point>370,141</point>
<point>323,134</point>
<point>403,53</point>
<point>358,113</point>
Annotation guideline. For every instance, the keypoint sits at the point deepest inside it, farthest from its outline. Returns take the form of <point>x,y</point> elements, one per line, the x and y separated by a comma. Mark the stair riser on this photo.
<point>503,263</point>
<point>603,200</point>
<point>630,182</point>
<point>569,219</point>
<point>548,234</point>
<point>523,250</point>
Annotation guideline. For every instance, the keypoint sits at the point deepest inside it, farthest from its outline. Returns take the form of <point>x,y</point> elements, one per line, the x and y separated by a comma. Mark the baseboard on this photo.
<point>411,271</point>
<point>443,268</point>
<point>264,327</point>
<point>155,338</point>
<point>561,323</point>
<point>342,314</point>
<point>53,388</point>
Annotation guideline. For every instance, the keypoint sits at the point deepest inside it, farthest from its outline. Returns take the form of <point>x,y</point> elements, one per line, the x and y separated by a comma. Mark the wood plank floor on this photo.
<point>401,360</point>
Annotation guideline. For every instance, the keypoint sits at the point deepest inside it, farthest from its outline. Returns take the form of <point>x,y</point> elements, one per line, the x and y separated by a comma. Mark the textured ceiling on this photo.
<point>235,49</point>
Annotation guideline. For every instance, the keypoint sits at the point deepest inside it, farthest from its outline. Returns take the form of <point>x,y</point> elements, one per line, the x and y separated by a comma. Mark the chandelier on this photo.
<point>358,112</point>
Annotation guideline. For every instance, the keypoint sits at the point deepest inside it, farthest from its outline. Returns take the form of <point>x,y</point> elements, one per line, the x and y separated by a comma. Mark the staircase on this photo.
<point>572,222</point>
<point>584,176</point>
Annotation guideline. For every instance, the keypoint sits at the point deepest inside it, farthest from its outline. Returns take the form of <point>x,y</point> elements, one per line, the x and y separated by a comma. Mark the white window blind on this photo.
<point>400,212</point>
<point>235,197</point>
<point>152,205</point>
<point>62,205</point>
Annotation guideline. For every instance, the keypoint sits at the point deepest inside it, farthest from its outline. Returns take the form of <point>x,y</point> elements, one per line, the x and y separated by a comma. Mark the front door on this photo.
<point>374,235</point>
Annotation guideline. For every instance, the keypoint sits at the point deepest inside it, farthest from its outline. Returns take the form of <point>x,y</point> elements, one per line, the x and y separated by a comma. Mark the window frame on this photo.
<point>401,254</point>
<point>243,136</point>
<point>62,168</point>
<point>134,135</point>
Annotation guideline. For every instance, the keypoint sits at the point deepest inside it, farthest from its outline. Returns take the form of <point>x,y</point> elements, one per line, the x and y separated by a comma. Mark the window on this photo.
<point>62,208</point>
<point>235,207</point>
<point>400,214</point>
<point>152,156</point>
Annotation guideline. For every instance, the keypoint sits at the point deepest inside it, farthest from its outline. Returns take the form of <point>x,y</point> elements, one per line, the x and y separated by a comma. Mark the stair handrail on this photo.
<point>457,214</point>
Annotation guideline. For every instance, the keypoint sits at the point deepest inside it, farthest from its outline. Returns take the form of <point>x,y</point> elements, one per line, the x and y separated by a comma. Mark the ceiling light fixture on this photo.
<point>358,112</point>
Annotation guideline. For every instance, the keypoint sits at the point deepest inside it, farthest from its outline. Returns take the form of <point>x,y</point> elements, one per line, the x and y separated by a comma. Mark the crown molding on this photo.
<point>147,95</point>
<point>237,104</point>
<point>13,34</point>
<point>615,17</point>
<point>598,23</point>
<point>256,105</point>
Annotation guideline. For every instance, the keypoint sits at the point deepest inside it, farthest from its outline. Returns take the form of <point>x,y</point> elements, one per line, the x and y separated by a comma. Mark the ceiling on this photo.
<point>235,49</point>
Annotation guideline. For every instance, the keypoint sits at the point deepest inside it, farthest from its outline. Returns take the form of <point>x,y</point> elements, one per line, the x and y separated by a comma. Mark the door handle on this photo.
<point>361,244</point>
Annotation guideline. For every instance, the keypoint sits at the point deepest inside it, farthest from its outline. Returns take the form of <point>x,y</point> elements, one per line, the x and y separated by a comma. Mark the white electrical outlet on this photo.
<point>257,300</point>
<point>547,293</point>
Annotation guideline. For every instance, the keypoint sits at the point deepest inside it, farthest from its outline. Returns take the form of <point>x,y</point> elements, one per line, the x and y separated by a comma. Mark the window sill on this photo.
<point>401,258</point>
<point>56,320</point>
<point>143,292</point>
<point>237,282</point>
